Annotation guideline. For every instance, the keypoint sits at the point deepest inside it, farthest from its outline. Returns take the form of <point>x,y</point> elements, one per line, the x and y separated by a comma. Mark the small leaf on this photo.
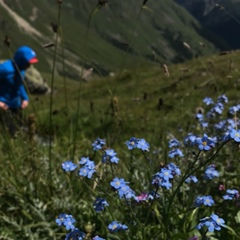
<point>237,218</point>
<point>95,11</point>
<point>230,230</point>
<point>147,8</point>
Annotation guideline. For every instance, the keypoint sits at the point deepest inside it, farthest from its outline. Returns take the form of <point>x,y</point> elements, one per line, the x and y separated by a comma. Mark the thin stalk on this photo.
<point>127,51</point>
<point>186,175</point>
<point>63,67</point>
<point>51,97</point>
<point>80,86</point>
<point>150,208</point>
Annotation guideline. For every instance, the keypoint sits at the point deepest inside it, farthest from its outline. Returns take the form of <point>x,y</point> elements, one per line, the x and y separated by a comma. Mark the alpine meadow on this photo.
<point>132,129</point>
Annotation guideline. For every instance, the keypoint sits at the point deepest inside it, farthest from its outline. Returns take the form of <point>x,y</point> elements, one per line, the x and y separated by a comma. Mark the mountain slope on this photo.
<point>221,17</point>
<point>151,36</point>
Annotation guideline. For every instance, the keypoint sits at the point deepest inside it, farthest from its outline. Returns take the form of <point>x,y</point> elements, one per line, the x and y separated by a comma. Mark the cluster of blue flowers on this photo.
<point>227,129</point>
<point>100,204</point>
<point>86,171</point>
<point>217,107</point>
<point>68,221</point>
<point>231,194</point>
<point>191,179</point>
<point>212,223</point>
<point>211,172</point>
<point>88,167</point>
<point>69,166</point>
<point>163,177</point>
<point>234,109</point>
<point>204,200</point>
<point>124,191</point>
<point>116,226</point>
<point>98,144</point>
<point>175,152</point>
<point>235,135</point>
<point>110,155</point>
<point>137,143</point>
<point>205,143</point>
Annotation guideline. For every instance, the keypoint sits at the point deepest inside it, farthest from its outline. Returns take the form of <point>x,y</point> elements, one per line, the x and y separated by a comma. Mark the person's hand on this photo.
<point>4,106</point>
<point>24,104</point>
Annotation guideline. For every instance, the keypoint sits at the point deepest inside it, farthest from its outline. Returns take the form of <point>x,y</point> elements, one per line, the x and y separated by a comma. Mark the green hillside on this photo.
<point>147,99</point>
<point>56,184</point>
<point>144,103</point>
<point>101,39</point>
<point>220,18</point>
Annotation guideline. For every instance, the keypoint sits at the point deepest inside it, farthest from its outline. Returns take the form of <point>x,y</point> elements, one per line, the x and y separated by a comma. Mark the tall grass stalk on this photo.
<point>63,67</point>
<point>131,43</point>
<point>75,134</point>
<point>51,94</point>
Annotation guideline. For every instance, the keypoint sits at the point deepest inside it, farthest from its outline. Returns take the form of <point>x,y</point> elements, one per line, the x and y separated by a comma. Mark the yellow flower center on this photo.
<point>204,143</point>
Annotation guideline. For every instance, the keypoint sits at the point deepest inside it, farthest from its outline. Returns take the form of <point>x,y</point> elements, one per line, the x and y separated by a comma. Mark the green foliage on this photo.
<point>30,203</point>
<point>153,103</point>
<point>149,37</point>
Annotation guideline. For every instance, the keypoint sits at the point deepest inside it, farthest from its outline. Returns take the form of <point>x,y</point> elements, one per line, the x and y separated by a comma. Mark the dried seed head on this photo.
<point>89,227</point>
<point>200,110</point>
<point>102,3</point>
<point>59,1</point>
<point>7,41</point>
<point>219,7</point>
<point>87,74</point>
<point>48,45</point>
<point>186,45</point>
<point>165,69</point>
<point>54,27</point>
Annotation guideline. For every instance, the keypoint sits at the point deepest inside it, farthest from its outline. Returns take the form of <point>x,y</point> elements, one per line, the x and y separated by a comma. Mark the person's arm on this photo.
<point>3,105</point>
<point>24,96</point>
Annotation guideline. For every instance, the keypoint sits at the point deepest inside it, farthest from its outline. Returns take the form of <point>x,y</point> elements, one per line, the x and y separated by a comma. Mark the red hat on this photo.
<point>33,60</point>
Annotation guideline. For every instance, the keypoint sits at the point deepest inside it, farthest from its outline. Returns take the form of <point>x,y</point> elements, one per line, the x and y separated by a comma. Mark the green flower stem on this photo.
<point>51,98</point>
<point>63,67</point>
<point>186,175</point>
<point>148,213</point>
<point>80,88</point>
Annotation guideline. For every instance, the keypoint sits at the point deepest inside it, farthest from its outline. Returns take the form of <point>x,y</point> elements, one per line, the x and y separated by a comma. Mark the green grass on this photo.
<point>181,93</point>
<point>32,193</point>
<point>159,29</point>
<point>31,201</point>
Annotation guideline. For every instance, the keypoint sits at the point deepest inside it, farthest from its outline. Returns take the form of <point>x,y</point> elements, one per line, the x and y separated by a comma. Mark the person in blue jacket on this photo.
<point>13,95</point>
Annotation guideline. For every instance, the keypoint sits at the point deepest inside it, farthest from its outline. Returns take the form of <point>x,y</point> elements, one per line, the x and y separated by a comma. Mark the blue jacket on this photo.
<point>12,90</point>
